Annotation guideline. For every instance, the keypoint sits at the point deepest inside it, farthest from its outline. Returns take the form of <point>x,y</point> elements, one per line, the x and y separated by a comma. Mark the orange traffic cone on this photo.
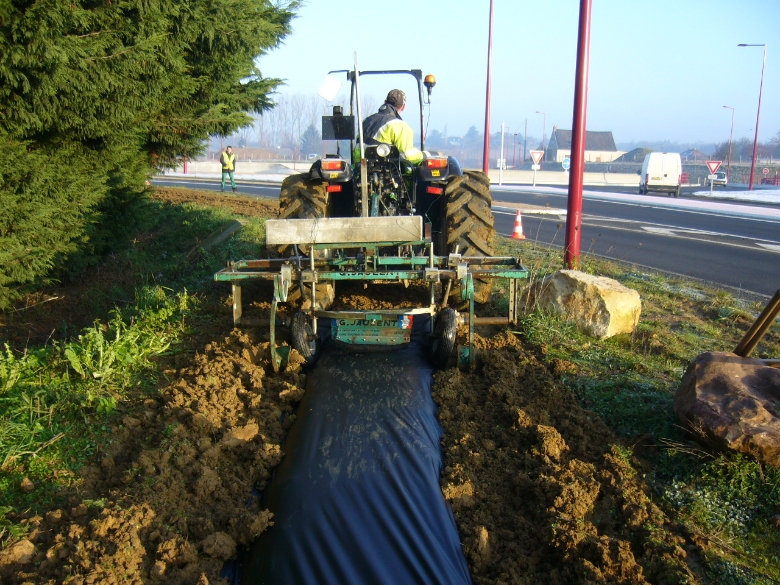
<point>517,234</point>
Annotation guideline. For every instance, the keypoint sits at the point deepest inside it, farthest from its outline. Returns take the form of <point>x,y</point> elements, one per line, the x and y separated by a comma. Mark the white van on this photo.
<point>661,171</point>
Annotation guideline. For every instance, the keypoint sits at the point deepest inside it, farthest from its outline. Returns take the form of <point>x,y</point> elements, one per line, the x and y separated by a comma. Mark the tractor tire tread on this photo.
<point>469,222</point>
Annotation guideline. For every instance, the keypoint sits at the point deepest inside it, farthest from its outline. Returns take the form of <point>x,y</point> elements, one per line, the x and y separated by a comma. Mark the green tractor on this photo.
<point>455,204</point>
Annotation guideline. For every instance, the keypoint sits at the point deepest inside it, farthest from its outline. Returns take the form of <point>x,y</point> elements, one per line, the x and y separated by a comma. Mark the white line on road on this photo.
<point>768,246</point>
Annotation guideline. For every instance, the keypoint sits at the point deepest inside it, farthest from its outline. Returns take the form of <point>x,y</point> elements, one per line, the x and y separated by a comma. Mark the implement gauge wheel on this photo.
<point>443,336</point>
<point>303,339</point>
<point>468,223</point>
<point>302,198</point>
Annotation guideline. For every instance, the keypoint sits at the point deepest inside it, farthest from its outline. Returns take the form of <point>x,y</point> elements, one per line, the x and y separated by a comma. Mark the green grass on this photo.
<point>727,502</point>
<point>58,401</point>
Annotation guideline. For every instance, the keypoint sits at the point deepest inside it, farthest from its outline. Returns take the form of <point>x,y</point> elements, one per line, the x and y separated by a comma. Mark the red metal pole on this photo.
<point>571,256</point>
<point>486,144</point>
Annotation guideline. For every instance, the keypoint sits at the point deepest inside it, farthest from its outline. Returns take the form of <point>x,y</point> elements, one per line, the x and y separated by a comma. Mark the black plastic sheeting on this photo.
<point>357,499</point>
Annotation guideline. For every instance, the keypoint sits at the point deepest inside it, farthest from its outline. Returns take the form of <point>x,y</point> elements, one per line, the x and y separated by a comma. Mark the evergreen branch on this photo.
<point>92,34</point>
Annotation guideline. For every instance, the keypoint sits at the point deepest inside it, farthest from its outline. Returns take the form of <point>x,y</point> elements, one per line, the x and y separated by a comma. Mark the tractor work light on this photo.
<point>333,165</point>
<point>383,150</point>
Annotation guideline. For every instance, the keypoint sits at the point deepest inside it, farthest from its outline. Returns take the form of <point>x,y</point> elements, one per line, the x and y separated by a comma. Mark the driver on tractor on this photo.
<point>386,126</point>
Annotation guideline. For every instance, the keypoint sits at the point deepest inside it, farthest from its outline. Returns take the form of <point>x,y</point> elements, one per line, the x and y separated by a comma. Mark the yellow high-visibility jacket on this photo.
<point>388,127</point>
<point>228,161</point>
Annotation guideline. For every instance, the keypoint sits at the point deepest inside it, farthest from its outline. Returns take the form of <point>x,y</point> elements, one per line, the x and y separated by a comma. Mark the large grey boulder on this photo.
<point>731,402</point>
<point>600,306</point>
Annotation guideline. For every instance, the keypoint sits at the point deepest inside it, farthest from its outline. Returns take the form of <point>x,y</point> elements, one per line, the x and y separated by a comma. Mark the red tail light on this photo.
<point>333,165</point>
<point>334,188</point>
<point>436,163</point>
<point>435,190</point>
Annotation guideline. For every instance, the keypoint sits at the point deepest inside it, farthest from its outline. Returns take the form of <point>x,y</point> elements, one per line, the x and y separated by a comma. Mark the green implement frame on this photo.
<point>347,259</point>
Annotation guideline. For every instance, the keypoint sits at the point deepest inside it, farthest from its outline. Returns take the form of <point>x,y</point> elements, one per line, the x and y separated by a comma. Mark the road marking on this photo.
<point>535,210</point>
<point>659,231</point>
<point>668,232</point>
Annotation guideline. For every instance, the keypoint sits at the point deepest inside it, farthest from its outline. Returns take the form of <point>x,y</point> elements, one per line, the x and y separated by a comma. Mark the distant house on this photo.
<point>599,146</point>
<point>693,155</point>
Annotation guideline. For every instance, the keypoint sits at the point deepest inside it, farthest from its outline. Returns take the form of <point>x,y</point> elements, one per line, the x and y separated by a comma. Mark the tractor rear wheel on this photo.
<point>468,222</point>
<point>302,198</point>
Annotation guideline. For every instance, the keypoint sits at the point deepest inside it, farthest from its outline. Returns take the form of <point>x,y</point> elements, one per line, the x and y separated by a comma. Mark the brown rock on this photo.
<point>600,306</point>
<point>20,553</point>
<point>730,402</point>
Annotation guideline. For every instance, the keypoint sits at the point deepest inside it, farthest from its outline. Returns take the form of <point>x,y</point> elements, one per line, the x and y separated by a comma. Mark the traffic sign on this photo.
<point>766,171</point>
<point>535,167</point>
<point>566,164</point>
<point>536,155</point>
<point>713,165</point>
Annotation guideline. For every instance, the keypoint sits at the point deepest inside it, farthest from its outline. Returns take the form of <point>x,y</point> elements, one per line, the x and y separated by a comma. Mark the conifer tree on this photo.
<point>95,95</point>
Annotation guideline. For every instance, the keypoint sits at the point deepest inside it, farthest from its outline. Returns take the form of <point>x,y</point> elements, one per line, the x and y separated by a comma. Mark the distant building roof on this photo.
<point>601,141</point>
<point>693,154</point>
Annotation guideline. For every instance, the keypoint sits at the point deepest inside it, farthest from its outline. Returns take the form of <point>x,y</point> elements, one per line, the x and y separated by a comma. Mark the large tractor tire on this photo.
<point>302,198</point>
<point>468,223</point>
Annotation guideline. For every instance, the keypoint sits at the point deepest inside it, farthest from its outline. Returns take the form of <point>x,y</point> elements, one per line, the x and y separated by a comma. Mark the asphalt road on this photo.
<point>728,244</point>
<point>736,246</point>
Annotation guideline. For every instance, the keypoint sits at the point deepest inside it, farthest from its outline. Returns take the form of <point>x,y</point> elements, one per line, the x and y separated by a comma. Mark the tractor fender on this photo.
<point>454,168</point>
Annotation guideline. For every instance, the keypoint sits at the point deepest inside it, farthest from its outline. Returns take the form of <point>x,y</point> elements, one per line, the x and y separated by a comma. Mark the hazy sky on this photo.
<point>659,69</point>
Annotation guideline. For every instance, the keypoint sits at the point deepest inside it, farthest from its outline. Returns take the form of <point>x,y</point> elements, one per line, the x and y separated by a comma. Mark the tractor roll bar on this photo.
<point>416,73</point>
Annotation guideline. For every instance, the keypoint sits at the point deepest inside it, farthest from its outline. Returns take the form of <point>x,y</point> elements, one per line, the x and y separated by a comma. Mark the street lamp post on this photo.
<point>544,135</point>
<point>731,138</point>
<point>758,114</point>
